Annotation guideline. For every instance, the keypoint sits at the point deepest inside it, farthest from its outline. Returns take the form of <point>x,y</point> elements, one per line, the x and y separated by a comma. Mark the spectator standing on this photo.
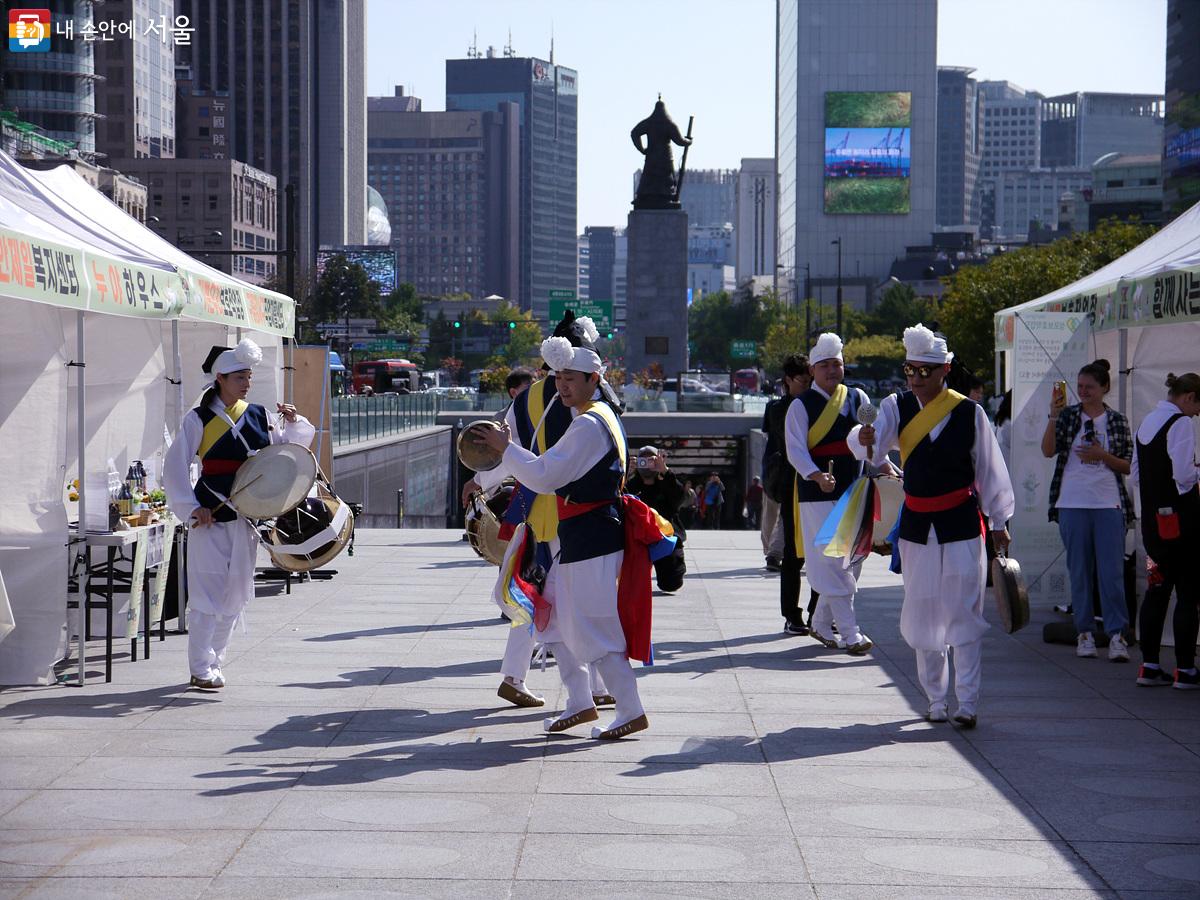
<point>754,502</point>
<point>1164,470</point>
<point>714,502</point>
<point>1088,500</point>
<point>778,474</point>
<point>687,506</point>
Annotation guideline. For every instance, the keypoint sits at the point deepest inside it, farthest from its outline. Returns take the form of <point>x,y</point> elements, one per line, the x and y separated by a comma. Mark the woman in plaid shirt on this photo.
<point>1089,502</point>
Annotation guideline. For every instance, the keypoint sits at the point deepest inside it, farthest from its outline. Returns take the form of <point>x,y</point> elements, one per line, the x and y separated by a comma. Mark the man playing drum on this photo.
<point>539,419</point>
<point>954,475</point>
<point>223,430</point>
<point>586,470</point>
<point>815,436</point>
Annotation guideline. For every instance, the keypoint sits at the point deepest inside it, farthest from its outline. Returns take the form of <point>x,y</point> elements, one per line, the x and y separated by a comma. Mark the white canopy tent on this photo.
<point>1144,309</point>
<point>1155,284</point>
<point>87,289</point>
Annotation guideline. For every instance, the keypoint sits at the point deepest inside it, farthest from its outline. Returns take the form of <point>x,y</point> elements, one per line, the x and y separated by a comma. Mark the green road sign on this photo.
<point>743,349</point>
<point>387,346</point>
<point>600,311</point>
<point>562,294</point>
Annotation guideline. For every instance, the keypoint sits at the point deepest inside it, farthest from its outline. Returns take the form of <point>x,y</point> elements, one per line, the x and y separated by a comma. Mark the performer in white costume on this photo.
<point>223,430</point>
<point>815,435</point>
<point>537,419</point>
<point>954,476</point>
<point>586,470</point>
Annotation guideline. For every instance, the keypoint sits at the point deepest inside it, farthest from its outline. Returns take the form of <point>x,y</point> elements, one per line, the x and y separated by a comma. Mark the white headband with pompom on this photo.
<point>246,355</point>
<point>923,345</point>
<point>560,356</point>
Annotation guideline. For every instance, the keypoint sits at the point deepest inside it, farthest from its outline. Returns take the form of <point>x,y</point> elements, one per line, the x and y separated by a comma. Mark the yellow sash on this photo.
<point>816,434</point>
<point>605,414</point>
<point>833,406</point>
<point>924,421</point>
<point>217,427</point>
<point>543,514</point>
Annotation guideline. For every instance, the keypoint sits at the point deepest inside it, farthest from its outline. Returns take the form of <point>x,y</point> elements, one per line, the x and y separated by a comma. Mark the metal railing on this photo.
<point>358,418</point>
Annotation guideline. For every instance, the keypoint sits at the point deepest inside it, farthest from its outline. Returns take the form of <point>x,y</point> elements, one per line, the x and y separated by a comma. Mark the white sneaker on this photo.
<point>1085,646</point>
<point>219,680</point>
<point>1117,649</point>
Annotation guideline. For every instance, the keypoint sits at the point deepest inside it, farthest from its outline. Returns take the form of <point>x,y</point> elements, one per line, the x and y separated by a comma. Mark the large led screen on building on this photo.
<point>380,263</point>
<point>1181,163</point>
<point>868,152</point>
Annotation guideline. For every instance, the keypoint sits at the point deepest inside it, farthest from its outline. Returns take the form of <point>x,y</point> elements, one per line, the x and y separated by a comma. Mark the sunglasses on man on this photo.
<point>910,370</point>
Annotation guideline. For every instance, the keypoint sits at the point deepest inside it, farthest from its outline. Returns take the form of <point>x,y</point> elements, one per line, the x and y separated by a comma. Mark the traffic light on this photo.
<point>609,336</point>
<point>458,323</point>
<point>512,325</point>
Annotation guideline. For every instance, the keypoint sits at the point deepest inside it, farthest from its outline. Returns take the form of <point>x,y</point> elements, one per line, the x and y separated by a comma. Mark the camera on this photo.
<point>643,462</point>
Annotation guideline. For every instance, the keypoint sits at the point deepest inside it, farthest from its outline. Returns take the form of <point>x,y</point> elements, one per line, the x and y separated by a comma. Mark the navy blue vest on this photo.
<point>557,421</point>
<point>939,467</point>
<point>845,467</point>
<point>602,530</point>
<point>257,432</point>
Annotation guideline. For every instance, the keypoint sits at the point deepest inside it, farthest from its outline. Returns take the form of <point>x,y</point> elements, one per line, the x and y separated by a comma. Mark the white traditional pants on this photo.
<point>933,670</point>
<point>208,640</point>
<point>826,575</point>
<point>944,587</point>
<point>517,653</point>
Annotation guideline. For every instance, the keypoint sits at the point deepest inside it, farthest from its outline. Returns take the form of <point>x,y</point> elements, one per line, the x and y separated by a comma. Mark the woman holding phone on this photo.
<point>1088,500</point>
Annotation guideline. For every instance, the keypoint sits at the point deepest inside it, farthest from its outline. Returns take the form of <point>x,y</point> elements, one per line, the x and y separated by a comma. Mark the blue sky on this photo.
<point>719,63</point>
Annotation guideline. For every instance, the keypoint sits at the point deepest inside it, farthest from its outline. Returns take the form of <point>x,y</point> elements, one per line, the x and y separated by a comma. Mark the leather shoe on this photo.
<point>518,697</point>
<point>965,720</point>
<point>641,723</point>
<point>604,700</point>
<point>562,723</point>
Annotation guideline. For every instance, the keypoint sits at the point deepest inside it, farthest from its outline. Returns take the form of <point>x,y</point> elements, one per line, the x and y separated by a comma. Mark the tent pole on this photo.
<point>177,362</point>
<point>81,437</point>
<point>999,385</point>
<point>1122,367</point>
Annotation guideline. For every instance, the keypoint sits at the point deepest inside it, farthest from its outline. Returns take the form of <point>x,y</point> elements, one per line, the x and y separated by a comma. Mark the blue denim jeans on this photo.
<point>1095,542</point>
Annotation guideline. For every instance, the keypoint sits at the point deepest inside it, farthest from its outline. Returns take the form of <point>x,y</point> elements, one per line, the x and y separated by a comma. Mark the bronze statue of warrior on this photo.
<point>658,188</point>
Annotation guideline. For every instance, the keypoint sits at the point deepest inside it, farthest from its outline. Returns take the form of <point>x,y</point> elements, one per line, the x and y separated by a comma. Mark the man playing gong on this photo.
<point>585,469</point>
<point>954,475</point>
<point>815,436</point>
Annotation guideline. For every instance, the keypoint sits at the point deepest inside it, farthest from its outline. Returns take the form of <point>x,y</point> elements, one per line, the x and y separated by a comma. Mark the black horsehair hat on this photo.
<point>211,359</point>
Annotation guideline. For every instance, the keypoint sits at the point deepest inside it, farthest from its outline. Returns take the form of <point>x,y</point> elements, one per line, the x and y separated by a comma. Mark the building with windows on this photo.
<point>287,80</point>
<point>136,99</point>
<point>56,90</point>
<point>584,281</point>
<point>754,226</point>
<point>451,183</point>
<point>546,100</point>
<point>1126,187</point>
<point>1029,198</point>
<point>959,146</point>
<point>602,261</point>
<point>213,205</point>
<point>1077,129</point>
<point>1181,136</point>
<point>856,85</point>
<point>1012,128</point>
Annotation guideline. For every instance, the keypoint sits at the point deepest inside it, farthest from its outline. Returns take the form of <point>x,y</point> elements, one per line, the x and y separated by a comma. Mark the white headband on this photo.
<point>246,355</point>
<point>828,346</point>
<point>923,345</point>
<point>561,356</point>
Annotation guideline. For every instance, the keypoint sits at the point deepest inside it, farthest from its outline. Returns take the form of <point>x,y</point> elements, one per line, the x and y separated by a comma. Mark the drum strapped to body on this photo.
<point>478,457</point>
<point>891,498</point>
<point>312,533</point>
<point>272,481</point>
<point>484,512</point>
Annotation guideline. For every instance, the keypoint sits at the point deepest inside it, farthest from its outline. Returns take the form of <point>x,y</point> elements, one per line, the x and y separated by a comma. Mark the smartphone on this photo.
<point>1060,393</point>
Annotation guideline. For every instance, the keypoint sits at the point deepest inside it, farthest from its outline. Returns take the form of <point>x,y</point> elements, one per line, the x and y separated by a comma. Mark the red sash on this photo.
<point>569,510</point>
<point>220,466</point>
<point>833,448</point>
<point>940,503</point>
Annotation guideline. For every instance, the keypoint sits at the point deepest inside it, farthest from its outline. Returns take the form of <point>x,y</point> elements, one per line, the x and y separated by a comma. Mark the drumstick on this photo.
<point>225,502</point>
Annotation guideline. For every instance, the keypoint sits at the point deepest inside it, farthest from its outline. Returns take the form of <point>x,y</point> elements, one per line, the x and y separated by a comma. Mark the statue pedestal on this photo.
<point>656,324</point>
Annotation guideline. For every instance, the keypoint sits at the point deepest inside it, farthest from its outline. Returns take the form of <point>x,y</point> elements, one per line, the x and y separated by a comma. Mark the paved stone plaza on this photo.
<point>360,751</point>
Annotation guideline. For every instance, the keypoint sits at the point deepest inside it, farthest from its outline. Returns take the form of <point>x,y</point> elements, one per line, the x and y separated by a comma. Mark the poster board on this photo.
<point>310,392</point>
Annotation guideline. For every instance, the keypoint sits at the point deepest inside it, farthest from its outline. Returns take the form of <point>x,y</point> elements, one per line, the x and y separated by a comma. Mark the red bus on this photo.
<point>386,376</point>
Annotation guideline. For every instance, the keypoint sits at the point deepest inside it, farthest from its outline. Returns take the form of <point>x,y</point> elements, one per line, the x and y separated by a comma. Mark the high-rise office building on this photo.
<point>958,146</point>
<point>1077,129</point>
<point>583,281</point>
<point>547,97</point>
<point>602,260</point>
<point>1011,128</point>
<point>754,227</point>
<point>1032,196</point>
<point>56,90</point>
<point>292,76</point>
<point>856,104</point>
<point>1181,137</point>
<point>136,99</point>
<point>451,182</point>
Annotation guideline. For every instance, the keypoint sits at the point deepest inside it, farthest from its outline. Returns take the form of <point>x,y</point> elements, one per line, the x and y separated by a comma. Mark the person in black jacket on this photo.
<point>656,486</point>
